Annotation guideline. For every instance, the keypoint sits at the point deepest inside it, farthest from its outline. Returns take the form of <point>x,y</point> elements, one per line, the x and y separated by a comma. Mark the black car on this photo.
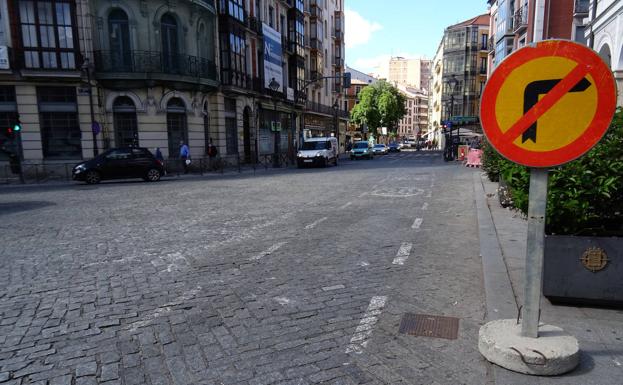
<point>120,163</point>
<point>394,147</point>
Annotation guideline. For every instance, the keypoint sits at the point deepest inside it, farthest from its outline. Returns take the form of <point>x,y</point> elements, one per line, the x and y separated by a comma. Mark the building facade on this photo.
<point>414,72</point>
<point>154,64</point>
<point>603,32</point>
<point>516,23</point>
<point>435,99</point>
<point>464,69</point>
<point>415,121</point>
<point>255,77</point>
<point>42,52</point>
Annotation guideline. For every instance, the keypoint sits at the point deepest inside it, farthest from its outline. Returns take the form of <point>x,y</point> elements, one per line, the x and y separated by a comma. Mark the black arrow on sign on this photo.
<point>531,97</point>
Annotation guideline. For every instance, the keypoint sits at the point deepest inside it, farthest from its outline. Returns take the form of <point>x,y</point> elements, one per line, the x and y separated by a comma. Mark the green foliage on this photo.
<point>380,104</point>
<point>585,197</point>
<point>491,161</point>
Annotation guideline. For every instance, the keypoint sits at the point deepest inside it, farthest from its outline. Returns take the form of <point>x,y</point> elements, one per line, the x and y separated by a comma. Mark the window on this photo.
<point>60,131</point>
<point>119,39</point>
<point>168,26</point>
<point>484,41</point>
<point>271,17</point>
<point>47,33</point>
<point>234,8</point>
<point>177,129</point>
<point>282,25</point>
<point>233,59</point>
<point>124,117</point>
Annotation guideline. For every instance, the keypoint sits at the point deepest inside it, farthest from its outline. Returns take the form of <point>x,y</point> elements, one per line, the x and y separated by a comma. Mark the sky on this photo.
<point>378,29</point>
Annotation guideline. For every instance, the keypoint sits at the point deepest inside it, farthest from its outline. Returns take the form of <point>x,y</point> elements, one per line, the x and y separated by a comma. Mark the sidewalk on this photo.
<point>503,246</point>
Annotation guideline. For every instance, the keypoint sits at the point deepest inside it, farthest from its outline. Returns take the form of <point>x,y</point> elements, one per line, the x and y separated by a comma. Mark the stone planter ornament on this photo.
<point>545,105</point>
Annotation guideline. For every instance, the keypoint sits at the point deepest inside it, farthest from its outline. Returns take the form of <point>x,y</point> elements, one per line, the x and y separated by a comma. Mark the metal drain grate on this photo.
<point>429,326</point>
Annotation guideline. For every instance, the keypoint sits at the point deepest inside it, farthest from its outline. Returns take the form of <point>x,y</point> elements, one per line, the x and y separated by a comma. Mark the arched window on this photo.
<point>177,129</point>
<point>168,26</point>
<point>119,39</point>
<point>124,117</point>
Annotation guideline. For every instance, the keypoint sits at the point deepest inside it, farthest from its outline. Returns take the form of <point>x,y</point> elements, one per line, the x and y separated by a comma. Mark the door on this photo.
<point>246,123</point>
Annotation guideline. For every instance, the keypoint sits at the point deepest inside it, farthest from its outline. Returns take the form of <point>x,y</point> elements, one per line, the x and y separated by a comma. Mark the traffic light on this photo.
<point>17,124</point>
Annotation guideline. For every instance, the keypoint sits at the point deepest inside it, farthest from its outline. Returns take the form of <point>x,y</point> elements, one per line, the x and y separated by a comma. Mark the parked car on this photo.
<point>394,147</point>
<point>380,149</point>
<point>317,152</point>
<point>361,149</point>
<point>120,163</point>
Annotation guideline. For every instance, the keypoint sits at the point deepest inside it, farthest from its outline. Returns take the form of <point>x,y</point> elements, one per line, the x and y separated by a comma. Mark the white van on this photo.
<point>317,152</point>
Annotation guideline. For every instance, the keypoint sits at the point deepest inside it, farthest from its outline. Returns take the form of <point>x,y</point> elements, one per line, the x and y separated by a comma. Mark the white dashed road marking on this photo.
<point>334,287</point>
<point>270,250</point>
<point>316,223</point>
<point>360,339</point>
<point>345,205</point>
<point>403,253</point>
<point>417,223</point>
<point>425,206</point>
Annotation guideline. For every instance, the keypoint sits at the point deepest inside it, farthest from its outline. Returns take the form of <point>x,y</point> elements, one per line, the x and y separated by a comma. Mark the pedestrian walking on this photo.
<point>159,155</point>
<point>212,153</point>
<point>184,156</point>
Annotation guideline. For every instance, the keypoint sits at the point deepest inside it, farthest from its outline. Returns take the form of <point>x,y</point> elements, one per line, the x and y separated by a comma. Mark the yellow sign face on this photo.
<point>564,122</point>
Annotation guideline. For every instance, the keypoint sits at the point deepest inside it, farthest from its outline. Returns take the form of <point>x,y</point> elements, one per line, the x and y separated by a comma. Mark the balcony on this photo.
<point>581,8</point>
<point>521,20</point>
<point>338,62</point>
<point>315,10</point>
<point>150,66</point>
<point>255,25</point>
<point>326,110</point>
<point>338,35</point>
<point>491,46</point>
<point>30,63</point>
<point>315,44</point>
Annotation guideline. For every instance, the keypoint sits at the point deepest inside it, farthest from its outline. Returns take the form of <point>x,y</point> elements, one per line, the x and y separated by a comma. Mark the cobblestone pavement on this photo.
<point>294,277</point>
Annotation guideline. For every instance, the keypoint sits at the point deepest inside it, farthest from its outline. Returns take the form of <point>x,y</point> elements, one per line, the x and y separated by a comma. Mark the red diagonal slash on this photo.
<point>547,102</point>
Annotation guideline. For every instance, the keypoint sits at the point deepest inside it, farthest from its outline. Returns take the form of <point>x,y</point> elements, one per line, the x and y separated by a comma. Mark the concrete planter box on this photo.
<point>576,271</point>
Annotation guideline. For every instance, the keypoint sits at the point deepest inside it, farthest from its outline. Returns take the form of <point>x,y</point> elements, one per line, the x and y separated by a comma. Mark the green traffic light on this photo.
<point>17,127</point>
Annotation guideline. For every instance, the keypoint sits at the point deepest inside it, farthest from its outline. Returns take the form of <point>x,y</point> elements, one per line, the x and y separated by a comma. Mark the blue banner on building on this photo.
<point>273,57</point>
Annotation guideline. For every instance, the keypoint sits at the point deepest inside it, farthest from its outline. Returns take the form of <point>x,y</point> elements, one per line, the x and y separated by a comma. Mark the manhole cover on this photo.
<point>429,326</point>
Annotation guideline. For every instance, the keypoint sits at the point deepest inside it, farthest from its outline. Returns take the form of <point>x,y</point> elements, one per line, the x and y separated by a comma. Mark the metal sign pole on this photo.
<point>533,280</point>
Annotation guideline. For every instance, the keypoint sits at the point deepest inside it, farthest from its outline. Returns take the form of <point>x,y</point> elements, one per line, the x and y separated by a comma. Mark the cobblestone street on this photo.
<point>289,277</point>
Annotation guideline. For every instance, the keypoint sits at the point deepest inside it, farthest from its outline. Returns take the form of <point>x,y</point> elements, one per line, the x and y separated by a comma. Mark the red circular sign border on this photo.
<point>606,104</point>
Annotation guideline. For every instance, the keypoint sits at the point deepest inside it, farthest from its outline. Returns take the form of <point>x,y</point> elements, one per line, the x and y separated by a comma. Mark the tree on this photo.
<point>380,104</point>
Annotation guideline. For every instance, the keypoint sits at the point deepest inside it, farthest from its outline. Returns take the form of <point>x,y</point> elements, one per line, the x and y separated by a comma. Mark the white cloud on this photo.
<point>358,29</point>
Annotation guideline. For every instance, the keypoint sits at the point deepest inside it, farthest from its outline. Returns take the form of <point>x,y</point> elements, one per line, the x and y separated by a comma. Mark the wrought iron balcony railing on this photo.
<point>521,19</point>
<point>154,62</point>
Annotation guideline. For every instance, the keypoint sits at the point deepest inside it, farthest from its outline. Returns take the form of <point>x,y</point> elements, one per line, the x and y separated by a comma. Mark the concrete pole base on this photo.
<point>554,352</point>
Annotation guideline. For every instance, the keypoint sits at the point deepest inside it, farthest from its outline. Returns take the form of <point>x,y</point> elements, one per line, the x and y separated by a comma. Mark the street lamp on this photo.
<point>86,67</point>
<point>336,125</point>
<point>274,86</point>
<point>449,150</point>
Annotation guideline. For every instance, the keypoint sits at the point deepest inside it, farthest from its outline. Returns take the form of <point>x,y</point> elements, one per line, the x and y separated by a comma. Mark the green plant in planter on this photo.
<point>585,197</point>
<point>491,160</point>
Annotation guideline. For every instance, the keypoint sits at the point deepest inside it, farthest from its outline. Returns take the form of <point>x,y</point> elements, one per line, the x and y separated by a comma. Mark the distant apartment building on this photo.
<point>414,72</point>
<point>603,32</point>
<point>415,121</point>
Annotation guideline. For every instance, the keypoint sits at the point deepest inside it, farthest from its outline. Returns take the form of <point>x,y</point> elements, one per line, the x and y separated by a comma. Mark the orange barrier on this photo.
<point>474,158</point>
